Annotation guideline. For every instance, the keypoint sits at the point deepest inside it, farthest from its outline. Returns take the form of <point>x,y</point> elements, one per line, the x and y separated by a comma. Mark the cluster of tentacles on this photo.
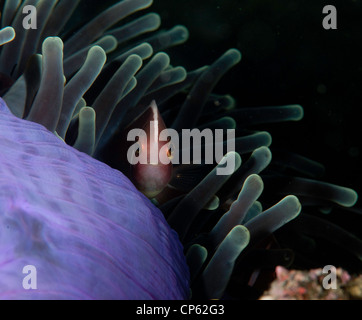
<point>88,85</point>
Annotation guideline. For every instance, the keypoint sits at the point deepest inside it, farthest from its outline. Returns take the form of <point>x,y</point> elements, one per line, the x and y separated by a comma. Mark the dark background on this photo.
<point>288,58</point>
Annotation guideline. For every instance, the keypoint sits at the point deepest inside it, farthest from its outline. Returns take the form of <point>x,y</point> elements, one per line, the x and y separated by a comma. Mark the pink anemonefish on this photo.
<point>150,176</point>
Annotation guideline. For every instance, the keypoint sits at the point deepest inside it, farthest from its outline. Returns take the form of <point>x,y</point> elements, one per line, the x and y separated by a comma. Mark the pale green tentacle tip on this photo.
<point>136,61</point>
<point>184,33</point>
<point>213,204</point>
<point>52,45</point>
<point>156,20</point>
<point>99,53</point>
<point>264,152</point>
<point>146,50</point>
<point>196,255</point>
<point>234,54</point>
<point>6,35</point>
<point>298,112</point>
<point>350,197</point>
<point>292,205</point>
<point>254,181</point>
<point>162,58</point>
<point>145,4</point>
<point>231,103</point>
<point>240,237</point>
<point>231,156</point>
<point>109,43</point>
<point>87,130</point>
<point>230,121</point>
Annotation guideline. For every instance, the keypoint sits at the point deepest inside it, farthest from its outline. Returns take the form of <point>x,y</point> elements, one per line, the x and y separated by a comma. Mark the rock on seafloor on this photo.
<point>83,226</point>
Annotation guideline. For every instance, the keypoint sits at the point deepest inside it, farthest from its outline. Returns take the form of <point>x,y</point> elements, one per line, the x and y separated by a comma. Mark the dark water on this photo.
<point>288,58</point>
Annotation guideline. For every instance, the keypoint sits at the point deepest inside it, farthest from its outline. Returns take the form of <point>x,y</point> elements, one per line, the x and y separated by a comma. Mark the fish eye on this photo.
<point>137,150</point>
<point>169,153</point>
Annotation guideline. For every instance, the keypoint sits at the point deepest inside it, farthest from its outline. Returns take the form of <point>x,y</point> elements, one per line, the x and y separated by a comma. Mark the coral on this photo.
<point>313,285</point>
<point>89,86</point>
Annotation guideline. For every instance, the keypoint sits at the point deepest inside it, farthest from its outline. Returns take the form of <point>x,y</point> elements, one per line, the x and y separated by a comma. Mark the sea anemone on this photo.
<point>74,219</point>
<point>70,88</point>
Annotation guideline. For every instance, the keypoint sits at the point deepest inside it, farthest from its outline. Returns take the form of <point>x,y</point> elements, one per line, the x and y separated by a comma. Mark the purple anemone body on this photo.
<point>84,227</point>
